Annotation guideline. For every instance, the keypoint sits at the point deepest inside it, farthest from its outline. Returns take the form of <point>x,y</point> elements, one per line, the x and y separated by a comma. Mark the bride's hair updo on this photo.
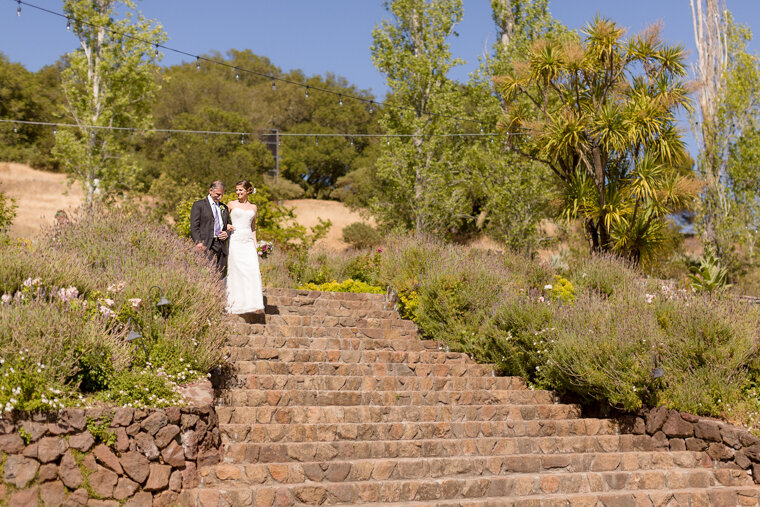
<point>245,184</point>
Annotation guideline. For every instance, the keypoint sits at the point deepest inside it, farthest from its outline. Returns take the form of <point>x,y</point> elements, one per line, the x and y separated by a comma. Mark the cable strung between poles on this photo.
<point>254,132</point>
<point>199,58</point>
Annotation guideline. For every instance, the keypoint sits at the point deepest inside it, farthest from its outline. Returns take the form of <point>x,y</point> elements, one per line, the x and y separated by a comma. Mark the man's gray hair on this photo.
<point>216,184</point>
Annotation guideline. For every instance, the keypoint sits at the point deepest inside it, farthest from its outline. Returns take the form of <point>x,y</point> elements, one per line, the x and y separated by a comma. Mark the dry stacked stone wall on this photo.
<point>727,445</point>
<point>105,457</point>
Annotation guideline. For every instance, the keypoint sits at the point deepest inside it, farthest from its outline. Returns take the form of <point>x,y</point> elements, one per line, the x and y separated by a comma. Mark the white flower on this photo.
<point>548,286</point>
<point>106,312</point>
<point>649,298</point>
<point>108,302</point>
<point>135,302</point>
<point>118,287</point>
<point>6,298</point>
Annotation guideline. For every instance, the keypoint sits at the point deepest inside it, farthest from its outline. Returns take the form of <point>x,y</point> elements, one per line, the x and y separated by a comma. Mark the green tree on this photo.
<point>287,108</point>
<point>606,128</point>
<point>22,97</point>
<point>7,213</point>
<point>190,162</point>
<point>110,81</point>
<point>725,125</point>
<point>423,181</point>
<point>512,193</point>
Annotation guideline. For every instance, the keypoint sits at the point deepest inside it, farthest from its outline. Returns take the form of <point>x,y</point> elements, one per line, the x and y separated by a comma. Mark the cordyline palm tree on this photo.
<point>601,113</point>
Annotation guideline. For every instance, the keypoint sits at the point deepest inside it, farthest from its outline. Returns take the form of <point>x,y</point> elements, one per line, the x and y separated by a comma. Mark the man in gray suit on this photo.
<point>210,226</point>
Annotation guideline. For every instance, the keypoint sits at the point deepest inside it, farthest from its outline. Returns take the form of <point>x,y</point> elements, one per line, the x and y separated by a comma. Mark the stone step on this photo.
<point>306,295</point>
<point>326,304</point>
<point>315,398</point>
<point>383,383</point>
<point>366,414</point>
<point>389,321</point>
<point>321,331</point>
<point>268,452</point>
<point>414,430</point>
<point>244,344</point>
<point>513,486</point>
<point>355,470</point>
<point>355,357</point>
<point>718,496</point>
<point>356,309</point>
<point>262,367</point>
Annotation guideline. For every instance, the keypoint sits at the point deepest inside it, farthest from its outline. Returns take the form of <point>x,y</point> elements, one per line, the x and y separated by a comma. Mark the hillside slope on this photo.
<point>39,194</point>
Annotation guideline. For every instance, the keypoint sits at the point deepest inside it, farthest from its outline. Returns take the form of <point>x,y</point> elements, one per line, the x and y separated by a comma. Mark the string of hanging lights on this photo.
<point>371,103</point>
<point>242,135</point>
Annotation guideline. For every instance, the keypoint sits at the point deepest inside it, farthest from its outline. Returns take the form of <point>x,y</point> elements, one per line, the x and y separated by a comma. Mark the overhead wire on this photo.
<point>274,79</point>
<point>261,132</point>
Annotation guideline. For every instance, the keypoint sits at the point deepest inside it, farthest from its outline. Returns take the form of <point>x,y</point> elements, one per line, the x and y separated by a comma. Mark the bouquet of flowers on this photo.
<point>264,248</point>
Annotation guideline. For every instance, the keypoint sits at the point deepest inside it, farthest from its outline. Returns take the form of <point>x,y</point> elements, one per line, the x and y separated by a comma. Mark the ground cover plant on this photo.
<point>70,301</point>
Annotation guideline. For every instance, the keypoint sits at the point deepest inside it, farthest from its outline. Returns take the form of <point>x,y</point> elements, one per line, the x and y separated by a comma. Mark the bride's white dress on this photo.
<point>243,276</point>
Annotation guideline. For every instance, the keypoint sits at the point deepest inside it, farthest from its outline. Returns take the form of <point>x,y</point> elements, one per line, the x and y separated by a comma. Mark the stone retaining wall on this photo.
<point>105,457</point>
<point>727,445</point>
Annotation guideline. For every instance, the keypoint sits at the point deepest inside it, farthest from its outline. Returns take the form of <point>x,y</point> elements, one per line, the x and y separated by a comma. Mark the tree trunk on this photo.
<point>599,176</point>
<point>709,22</point>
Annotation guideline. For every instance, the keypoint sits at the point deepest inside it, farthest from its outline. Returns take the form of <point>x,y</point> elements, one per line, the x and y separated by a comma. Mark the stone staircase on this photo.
<point>335,400</point>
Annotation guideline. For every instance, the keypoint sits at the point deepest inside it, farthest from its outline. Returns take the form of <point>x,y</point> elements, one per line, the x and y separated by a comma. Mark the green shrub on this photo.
<point>602,350</point>
<point>274,270</point>
<point>707,352</point>
<point>141,388</point>
<point>365,267</point>
<point>409,303</point>
<point>282,188</point>
<point>360,235</point>
<point>709,275</point>
<point>7,213</point>
<point>562,290</point>
<point>344,286</point>
<point>605,274</point>
<point>522,327</point>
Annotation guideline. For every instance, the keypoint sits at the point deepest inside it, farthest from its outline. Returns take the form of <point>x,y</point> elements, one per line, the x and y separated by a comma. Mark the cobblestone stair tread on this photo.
<point>313,397</point>
<point>411,431</point>
<point>334,400</point>
<point>322,330</point>
<point>240,344</point>
<point>382,383</point>
<point>718,496</point>
<point>513,486</point>
<point>419,467</point>
<point>269,452</point>
<point>377,413</point>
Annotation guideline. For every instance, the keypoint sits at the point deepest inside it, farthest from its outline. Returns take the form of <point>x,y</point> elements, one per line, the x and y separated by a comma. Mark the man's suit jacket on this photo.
<point>202,222</point>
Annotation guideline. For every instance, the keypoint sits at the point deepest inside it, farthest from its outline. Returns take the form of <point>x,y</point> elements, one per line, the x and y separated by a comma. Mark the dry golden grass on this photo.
<point>38,195</point>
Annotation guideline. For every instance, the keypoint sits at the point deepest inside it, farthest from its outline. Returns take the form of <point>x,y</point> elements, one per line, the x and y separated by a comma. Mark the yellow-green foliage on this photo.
<point>563,290</point>
<point>410,301</point>
<point>344,286</point>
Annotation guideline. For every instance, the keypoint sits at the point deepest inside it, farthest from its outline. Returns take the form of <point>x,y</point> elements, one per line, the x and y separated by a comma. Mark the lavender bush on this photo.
<point>503,308</point>
<point>71,299</point>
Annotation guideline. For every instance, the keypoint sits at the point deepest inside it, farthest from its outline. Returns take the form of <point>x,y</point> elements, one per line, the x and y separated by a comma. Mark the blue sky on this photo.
<point>321,36</point>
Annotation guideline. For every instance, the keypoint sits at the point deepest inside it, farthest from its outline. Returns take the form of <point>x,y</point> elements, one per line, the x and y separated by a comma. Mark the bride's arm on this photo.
<point>253,223</point>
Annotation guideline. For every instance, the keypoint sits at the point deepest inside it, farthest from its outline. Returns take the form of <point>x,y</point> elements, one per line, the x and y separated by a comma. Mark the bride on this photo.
<point>243,276</point>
